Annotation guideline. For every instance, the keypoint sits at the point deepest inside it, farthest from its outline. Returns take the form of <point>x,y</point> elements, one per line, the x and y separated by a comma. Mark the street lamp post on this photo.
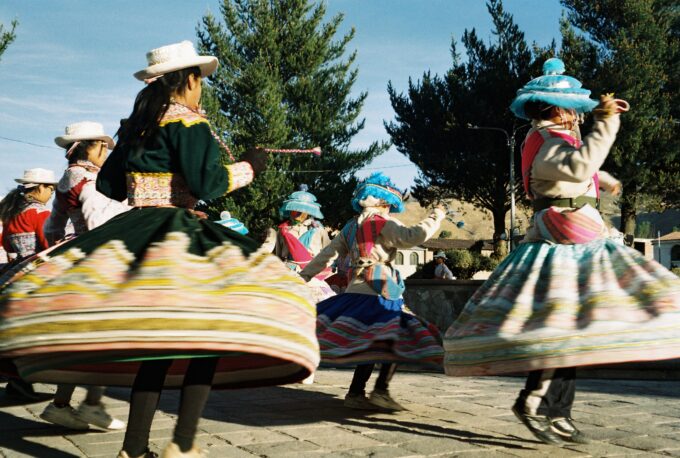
<point>510,141</point>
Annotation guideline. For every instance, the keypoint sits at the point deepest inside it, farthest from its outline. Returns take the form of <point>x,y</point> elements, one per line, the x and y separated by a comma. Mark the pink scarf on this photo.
<point>298,251</point>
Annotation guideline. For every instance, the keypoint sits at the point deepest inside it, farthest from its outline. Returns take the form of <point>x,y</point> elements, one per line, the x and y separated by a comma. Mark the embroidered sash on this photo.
<point>158,189</point>
<point>566,226</point>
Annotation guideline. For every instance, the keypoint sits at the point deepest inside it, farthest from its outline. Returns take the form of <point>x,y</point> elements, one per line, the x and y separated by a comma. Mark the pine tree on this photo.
<point>632,48</point>
<point>283,82</point>
<point>7,36</point>
<point>432,120</point>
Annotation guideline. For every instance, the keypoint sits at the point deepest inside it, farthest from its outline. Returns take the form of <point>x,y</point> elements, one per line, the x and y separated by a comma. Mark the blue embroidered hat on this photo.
<point>232,223</point>
<point>555,89</point>
<point>379,186</point>
<point>303,202</point>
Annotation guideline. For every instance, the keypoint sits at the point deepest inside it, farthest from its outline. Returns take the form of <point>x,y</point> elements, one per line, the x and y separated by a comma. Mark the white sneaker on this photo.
<point>383,400</point>
<point>63,416</point>
<point>98,416</point>
<point>309,380</point>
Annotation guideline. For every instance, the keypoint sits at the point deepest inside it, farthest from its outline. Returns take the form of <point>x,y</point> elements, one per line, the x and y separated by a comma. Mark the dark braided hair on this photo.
<point>150,106</point>
<point>12,204</point>
<point>537,110</point>
<point>80,151</point>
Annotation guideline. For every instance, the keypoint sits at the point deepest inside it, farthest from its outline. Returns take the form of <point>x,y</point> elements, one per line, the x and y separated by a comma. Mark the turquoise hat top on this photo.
<point>553,88</point>
<point>379,186</point>
<point>301,201</point>
<point>232,223</point>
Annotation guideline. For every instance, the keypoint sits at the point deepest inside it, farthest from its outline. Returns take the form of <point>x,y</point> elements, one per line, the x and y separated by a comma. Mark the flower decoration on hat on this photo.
<point>301,201</point>
<point>232,223</point>
<point>553,88</point>
<point>376,190</point>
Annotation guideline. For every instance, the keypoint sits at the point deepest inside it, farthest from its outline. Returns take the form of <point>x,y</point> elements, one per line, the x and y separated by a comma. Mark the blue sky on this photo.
<point>73,60</point>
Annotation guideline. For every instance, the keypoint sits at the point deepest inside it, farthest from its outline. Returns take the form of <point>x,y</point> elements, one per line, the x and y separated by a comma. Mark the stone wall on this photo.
<point>441,301</point>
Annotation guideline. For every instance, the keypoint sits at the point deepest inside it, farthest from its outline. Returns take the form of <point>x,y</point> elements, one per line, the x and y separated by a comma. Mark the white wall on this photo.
<point>409,265</point>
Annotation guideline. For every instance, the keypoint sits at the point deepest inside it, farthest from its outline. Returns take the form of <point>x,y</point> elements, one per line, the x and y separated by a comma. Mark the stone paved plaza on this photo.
<point>447,417</point>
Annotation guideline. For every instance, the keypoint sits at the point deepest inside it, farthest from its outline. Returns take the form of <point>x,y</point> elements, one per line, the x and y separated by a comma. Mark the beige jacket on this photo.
<point>393,236</point>
<point>561,171</point>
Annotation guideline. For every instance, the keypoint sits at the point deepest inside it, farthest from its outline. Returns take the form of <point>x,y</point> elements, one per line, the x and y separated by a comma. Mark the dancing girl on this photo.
<point>158,296</point>
<point>568,296</point>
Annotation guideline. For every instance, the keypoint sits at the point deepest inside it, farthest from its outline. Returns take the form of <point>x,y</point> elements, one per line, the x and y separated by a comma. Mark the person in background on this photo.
<point>23,213</point>
<point>78,201</point>
<point>77,198</point>
<point>441,270</point>
<point>301,236</point>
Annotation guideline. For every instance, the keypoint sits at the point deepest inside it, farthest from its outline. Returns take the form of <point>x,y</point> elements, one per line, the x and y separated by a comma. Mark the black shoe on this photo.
<point>20,389</point>
<point>539,426</point>
<point>565,428</point>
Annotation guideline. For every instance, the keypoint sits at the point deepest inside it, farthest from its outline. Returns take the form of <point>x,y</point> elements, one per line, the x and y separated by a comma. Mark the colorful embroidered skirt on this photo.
<point>158,283</point>
<point>360,328</point>
<point>549,306</point>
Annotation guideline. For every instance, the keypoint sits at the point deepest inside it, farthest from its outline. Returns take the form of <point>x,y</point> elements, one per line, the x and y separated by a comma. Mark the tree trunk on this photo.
<point>500,237</point>
<point>628,214</point>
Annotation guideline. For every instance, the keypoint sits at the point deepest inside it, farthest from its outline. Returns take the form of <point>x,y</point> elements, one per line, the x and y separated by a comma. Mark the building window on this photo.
<point>413,259</point>
<point>400,259</point>
<point>675,255</point>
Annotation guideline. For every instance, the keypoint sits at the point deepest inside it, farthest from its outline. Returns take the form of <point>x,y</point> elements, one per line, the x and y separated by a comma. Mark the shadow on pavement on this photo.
<point>281,406</point>
<point>16,431</point>
<point>664,388</point>
<point>396,425</point>
<point>13,401</point>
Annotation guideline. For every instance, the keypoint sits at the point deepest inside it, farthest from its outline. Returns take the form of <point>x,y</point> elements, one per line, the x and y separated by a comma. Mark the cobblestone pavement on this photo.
<point>447,417</point>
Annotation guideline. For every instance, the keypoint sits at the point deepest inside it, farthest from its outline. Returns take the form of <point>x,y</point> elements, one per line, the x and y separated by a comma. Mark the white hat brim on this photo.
<point>207,64</point>
<point>22,181</point>
<point>65,140</point>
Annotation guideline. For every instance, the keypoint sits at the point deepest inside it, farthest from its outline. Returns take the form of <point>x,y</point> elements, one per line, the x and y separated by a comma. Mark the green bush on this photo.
<point>644,230</point>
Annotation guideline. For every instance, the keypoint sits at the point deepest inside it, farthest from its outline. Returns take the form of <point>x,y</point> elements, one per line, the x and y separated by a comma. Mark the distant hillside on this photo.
<point>478,223</point>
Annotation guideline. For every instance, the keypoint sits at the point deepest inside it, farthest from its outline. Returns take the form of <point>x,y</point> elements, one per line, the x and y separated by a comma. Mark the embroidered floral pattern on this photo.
<point>159,189</point>
<point>240,175</point>
<point>180,113</point>
<point>23,244</point>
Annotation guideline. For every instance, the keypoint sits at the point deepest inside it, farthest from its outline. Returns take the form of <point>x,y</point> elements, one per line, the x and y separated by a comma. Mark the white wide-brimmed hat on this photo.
<point>85,130</point>
<point>37,176</point>
<point>440,254</point>
<point>175,57</point>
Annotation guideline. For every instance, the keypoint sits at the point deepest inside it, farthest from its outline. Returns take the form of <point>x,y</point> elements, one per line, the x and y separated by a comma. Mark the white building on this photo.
<point>667,250</point>
<point>408,260</point>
